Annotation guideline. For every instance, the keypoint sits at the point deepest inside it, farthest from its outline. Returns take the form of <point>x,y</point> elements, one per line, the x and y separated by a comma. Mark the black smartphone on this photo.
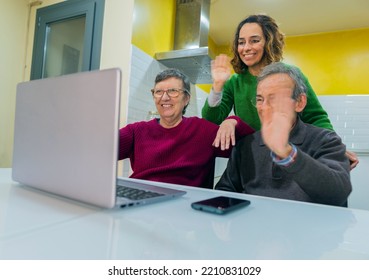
<point>220,204</point>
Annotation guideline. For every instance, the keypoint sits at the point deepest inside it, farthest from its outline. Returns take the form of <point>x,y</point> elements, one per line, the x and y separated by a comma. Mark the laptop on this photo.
<point>66,135</point>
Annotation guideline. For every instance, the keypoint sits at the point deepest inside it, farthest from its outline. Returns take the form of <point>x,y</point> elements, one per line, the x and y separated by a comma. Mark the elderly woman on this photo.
<point>173,148</point>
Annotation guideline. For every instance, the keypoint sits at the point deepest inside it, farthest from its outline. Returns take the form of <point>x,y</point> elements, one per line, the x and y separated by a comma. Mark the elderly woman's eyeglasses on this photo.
<point>172,92</point>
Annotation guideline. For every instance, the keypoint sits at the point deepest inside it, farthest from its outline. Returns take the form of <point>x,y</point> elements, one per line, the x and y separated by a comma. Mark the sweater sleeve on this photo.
<point>214,99</point>
<point>314,113</point>
<point>218,113</point>
<point>329,164</point>
<point>126,138</point>
<point>242,128</point>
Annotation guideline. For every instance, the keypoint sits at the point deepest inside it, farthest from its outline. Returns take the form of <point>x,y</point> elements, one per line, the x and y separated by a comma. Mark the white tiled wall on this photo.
<point>349,115</point>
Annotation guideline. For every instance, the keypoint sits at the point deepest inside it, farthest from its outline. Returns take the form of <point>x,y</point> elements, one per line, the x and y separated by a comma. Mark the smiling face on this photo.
<point>251,44</point>
<point>170,108</point>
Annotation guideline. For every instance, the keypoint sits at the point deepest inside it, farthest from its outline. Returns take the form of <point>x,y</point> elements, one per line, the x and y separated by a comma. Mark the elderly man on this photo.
<point>287,158</point>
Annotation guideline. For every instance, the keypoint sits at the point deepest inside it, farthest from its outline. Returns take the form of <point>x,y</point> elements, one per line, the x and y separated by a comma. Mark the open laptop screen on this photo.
<point>66,135</point>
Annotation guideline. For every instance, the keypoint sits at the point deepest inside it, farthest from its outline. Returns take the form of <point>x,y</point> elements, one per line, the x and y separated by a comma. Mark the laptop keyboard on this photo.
<point>135,194</point>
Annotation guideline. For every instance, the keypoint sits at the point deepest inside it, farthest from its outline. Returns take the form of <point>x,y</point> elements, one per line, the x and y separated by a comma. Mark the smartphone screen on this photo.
<point>220,204</point>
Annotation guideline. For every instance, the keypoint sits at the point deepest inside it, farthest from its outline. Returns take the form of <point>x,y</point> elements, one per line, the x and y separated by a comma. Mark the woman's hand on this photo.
<point>220,71</point>
<point>226,134</point>
<point>354,160</point>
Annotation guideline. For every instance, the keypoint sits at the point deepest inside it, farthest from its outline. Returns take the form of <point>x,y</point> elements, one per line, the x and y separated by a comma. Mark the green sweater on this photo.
<point>237,94</point>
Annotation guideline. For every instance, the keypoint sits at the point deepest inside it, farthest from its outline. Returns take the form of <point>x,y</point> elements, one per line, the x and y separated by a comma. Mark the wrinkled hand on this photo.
<point>354,160</point>
<point>226,135</point>
<point>220,71</point>
<point>277,121</point>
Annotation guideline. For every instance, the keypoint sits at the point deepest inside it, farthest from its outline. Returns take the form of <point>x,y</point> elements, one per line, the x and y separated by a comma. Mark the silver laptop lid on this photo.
<point>67,127</point>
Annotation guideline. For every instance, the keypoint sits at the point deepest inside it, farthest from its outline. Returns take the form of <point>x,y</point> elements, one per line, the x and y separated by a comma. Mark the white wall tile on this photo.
<point>349,115</point>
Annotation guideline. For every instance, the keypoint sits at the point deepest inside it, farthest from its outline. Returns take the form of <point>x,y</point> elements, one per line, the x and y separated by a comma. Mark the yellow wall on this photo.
<point>335,63</point>
<point>153,25</point>
<point>116,49</point>
<point>116,43</point>
<point>17,20</point>
<point>13,26</point>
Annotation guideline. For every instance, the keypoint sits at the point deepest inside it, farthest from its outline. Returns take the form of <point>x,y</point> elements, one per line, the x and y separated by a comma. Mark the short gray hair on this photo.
<point>293,72</point>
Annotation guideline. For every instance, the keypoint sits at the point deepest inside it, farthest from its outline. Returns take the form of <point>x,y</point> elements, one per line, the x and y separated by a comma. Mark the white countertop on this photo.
<point>36,225</point>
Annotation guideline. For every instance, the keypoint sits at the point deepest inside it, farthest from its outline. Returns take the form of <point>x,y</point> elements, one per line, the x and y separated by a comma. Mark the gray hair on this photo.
<point>293,72</point>
<point>175,73</point>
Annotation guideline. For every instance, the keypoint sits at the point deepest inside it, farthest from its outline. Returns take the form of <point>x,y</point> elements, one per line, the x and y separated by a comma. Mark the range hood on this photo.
<point>191,53</point>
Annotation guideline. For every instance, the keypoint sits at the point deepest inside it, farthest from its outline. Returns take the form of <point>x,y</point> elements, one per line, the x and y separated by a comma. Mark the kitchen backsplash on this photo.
<point>349,115</point>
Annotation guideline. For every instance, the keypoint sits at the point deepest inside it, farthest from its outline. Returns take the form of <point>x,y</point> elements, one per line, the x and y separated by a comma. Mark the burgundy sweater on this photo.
<point>180,155</point>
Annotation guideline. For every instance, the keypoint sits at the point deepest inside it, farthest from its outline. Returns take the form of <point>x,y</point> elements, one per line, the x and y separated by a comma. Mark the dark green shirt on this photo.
<point>240,90</point>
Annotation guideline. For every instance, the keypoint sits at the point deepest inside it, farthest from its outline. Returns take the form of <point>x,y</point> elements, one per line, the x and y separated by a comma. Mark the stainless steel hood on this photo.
<point>191,53</point>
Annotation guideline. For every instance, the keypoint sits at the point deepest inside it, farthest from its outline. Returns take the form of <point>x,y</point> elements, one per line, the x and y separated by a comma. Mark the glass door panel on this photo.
<point>63,49</point>
<point>68,38</point>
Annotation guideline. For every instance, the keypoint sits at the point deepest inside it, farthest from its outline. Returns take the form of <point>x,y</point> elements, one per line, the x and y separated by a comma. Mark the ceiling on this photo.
<point>295,17</point>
